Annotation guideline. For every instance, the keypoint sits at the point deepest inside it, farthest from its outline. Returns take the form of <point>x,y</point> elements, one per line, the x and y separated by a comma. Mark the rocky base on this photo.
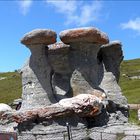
<point>79,131</point>
<point>122,131</point>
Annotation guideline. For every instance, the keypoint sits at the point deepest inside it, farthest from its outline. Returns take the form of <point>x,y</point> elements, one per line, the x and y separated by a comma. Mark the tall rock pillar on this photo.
<point>84,44</point>
<point>36,81</point>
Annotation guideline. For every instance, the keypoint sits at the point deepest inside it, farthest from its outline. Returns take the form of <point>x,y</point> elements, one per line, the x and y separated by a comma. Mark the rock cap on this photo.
<point>57,46</point>
<point>85,34</point>
<point>116,43</point>
<point>39,36</point>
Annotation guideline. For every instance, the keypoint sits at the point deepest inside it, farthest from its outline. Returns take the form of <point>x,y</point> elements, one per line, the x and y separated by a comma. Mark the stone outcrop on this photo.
<point>36,81</point>
<point>58,56</point>
<point>87,34</point>
<point>71,82</point>
<point>82,105</point>
<point>111,55</point>
<point>4,108</point>
<point>84,44</point>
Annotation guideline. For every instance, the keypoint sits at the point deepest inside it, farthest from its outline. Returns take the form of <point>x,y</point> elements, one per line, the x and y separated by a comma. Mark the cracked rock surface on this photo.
<point>74,81</point>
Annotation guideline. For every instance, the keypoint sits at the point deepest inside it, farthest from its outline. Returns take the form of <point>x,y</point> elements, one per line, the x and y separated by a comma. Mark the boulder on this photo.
<point>39,36</point>
<point>86,34</point>
<point>4,107</point>
<point>70,86</point>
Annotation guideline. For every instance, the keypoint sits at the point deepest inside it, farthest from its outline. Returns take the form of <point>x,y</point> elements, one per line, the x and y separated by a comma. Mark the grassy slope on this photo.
<point>10,88</point>
<point>131,88</point>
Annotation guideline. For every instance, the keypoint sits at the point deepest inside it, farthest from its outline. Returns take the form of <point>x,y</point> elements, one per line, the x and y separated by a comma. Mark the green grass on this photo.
<point>10,88</point>
<point>133,118</point>
<point>131,88</point>
<point>131,67</point>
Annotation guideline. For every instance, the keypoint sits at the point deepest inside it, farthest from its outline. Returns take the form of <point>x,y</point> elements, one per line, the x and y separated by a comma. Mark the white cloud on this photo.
<point>77,12</point>
<point>132,24</point>
<point>25,6</point>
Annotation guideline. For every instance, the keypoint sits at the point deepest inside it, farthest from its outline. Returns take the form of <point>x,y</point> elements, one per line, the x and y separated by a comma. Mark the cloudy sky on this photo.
<point>119,19</point>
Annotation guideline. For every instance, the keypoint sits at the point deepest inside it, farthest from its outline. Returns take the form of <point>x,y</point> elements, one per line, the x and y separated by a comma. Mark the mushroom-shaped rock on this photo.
<point>84,44</point>
<point>112,57</point>
<point>39,36</point>
<point>87,34</point>
<point>36,81</point>
<point>58,56</point>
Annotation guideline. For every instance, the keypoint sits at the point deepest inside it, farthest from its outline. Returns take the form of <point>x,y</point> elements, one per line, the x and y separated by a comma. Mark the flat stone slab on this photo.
<point>87,34</point>
<point>39,36</point>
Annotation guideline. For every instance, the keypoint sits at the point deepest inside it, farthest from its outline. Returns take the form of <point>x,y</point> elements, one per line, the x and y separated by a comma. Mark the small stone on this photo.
<point>39,36</point>
<point>86,34</point>
<point>4,107</point>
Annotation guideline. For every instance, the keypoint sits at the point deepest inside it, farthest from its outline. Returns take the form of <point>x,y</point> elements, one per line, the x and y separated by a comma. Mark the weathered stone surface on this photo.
<point>58,47</point>
<point>36,81</point>
<point>39,36</point>
<point>84,69</point>
<point>56,129</point>
<point>4,107</point>
<point>112,56</point>
<point>83,100</point>
<point>113,90</point>
<point>37,89</point>
<point>84,64</point>
<point>58,56</point>
<point>83,105</point>
<point>87,34</point>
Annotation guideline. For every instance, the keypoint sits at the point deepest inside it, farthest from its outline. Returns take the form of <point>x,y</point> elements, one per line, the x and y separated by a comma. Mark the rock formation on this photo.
<point>36,81</point>
<point>4,108</point>
<point>111,55</point>
<point>73,82</point>
<point>58,55</point>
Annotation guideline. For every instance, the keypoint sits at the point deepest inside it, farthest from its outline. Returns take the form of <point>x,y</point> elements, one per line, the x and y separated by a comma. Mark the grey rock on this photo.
<point>60,71</point>
<point>129,138</point>
<point>55,129</point>
<point>58,57</point>
<point>39,36</point>
<point>37,88</point>
<point>112,57</point>
<point>84,63</point>
<point>85,34</point>
<point>112,89</point>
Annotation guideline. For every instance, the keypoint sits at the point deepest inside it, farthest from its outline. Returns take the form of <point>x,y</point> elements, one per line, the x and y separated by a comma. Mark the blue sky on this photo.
<point>119,19</point>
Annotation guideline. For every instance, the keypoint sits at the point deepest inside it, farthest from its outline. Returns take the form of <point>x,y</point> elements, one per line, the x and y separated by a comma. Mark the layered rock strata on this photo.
<point>84,46</point>
<point>111,55</point>
<point>36,75</point>
<point>73,82</point>
<point>58,56</point>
